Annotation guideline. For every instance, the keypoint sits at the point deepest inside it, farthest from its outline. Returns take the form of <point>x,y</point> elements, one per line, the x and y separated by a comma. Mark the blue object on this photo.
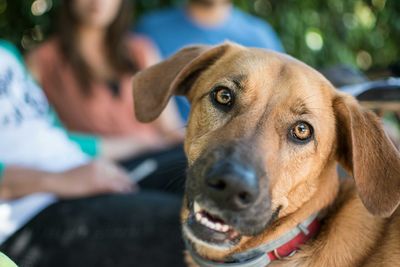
<point>172,29</point>
<point>2,168</point>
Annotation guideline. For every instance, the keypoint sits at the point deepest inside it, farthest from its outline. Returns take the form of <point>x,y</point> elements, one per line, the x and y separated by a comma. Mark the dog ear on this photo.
<point>153,87</point>
<point>365,150</point>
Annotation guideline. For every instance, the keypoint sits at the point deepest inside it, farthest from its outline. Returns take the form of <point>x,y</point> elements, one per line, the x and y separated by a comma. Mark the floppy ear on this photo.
<point>366,151</point>
<point>153,87</point>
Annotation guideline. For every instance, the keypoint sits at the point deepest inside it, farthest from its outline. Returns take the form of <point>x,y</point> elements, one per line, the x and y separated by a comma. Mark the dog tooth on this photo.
<point>210,225</point>
<point>198,216</point>
<point>225,228</point>
<point>204,220</point>
<point>196,207</point>
<point>218,227</point>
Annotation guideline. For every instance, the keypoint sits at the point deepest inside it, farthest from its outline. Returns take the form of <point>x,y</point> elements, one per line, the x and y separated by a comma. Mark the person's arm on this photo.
<point>90,179</point>
<point>169,123</point>
<point>116,148</point>
<point>143,51</point>
<point>120,148</point>
<point>146,52</point>
<point>32,62</point>
<point>111,148</point>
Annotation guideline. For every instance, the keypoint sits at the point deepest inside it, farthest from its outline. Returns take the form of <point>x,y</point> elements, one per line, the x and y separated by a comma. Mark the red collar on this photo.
<point>294,244</point>
<point>285,246</point>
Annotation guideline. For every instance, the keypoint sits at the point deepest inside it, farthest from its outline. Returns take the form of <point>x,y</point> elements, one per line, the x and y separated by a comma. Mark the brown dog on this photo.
<point>263,140</point>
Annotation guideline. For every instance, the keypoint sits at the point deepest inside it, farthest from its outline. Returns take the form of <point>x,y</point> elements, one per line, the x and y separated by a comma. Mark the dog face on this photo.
<point>254,138</point>
<point>263,138</point>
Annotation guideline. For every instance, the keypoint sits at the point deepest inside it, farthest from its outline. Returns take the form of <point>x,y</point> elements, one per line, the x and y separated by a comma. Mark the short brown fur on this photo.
<point>361,225</point>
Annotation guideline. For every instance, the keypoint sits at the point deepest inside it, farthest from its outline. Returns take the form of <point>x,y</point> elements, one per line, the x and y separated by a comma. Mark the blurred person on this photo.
<point>205,22</point>
<point>85,70</point>
<point>63,205</point>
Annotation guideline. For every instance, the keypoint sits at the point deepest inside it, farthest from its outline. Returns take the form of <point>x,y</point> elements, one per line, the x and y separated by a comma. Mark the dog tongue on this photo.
<point>233,234</point>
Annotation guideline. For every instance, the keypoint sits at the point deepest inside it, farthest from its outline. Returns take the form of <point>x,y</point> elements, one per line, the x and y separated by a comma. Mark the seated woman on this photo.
<point>59,206</point>
<point>86,69</point>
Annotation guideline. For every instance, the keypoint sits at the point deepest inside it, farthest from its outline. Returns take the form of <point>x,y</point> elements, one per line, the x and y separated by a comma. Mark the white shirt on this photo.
<point>28,139</point>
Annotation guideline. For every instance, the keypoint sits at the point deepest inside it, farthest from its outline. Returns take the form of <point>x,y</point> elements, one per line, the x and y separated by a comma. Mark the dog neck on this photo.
<point>285,246</point>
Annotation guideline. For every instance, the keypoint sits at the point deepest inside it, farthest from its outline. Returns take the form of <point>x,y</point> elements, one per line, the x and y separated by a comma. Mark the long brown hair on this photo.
<point>115,41</point>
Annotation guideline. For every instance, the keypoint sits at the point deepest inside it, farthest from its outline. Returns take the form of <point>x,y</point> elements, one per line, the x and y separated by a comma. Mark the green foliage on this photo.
<point>363,33</point>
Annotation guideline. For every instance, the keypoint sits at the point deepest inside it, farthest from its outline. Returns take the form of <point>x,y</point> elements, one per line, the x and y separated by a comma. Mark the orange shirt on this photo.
<point>99,113</point>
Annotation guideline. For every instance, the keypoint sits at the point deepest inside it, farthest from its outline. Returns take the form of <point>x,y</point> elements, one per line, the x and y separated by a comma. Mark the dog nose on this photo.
<point>232,185</point>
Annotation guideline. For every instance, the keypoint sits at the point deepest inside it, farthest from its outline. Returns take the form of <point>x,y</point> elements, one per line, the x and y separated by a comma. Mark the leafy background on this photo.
<point>361,33</point>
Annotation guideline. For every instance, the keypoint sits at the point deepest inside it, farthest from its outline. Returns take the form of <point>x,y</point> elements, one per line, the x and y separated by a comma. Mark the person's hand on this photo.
<point>125,147</point>
<point>98,177</point>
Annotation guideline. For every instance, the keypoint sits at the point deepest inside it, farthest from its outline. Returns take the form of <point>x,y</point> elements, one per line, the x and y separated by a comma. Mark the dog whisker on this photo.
<point>175,182</point>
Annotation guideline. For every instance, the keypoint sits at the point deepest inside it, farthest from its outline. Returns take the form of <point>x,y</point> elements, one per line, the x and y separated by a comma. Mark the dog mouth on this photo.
<point>207,227</point>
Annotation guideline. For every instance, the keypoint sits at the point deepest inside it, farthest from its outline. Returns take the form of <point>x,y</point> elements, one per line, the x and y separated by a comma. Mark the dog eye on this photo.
<point>301,132</point>
<point>222,97</point>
